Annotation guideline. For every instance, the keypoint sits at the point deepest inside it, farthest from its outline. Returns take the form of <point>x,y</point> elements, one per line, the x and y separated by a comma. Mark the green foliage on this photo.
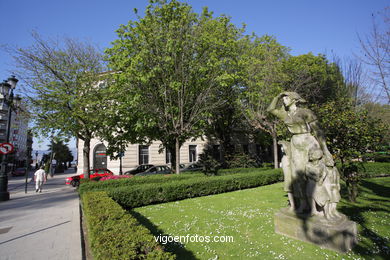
<point>227,121</point>
<point>138,180</point>
<point>210,165</point>
<point>382,158</point>
<point>84,180</point>
<point>375,169</point>
<point>313,77</point>
<point>263,78</point>
<point>349,130</point>
<point>115,234</point>
<point>350,133</point>
<point>172,62</point>
<point>62,153</point>
<point>350,173</point>
<point>376,157</point>
<point>47,167</point>
<point>241,160</point>
<point>136,196</point>
<point>244,170</point>
<point>382,112</point>
<point>62,77</point>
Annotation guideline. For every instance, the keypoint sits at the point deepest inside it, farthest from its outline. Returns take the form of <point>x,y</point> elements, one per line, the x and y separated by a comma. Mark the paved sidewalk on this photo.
<point>40,225</point>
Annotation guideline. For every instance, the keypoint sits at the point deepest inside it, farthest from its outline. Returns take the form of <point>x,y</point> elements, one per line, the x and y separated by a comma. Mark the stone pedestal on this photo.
<point>340,235</point>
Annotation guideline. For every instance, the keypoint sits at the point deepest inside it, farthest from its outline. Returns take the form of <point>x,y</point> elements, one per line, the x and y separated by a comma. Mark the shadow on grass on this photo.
<point>372,243</point>
<point>377,189</point>
<point>176,248</point>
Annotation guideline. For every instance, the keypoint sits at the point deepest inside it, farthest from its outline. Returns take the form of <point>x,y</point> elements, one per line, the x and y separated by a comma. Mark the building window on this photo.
<point>192,153</point>
<point>143,154</point>
<point>168,156</point>
<point>100,157</point>
<point>216,152</point>
<point>245,148</point>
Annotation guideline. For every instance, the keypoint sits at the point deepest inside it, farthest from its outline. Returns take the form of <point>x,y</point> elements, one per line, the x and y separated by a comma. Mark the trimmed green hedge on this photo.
<point>114,234</point>
<point>242,170</point>
<point>152,193</point>
<point>137,180</point>
<point>375,169</point>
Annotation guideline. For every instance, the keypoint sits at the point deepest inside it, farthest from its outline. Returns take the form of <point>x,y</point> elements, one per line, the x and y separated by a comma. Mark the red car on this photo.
<point>75,180</point>
<point>19,172</point>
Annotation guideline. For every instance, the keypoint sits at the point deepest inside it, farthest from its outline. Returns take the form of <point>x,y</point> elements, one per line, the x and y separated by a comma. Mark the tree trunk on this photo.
<point>172,149</point>
<point>177,149</point>
<point>222,155</point>
<point>86,150</point>
<point>275,148</point>
<point>352,188</point>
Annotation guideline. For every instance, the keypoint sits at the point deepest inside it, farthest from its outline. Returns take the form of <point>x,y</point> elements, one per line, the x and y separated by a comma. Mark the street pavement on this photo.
<point>40,225</point>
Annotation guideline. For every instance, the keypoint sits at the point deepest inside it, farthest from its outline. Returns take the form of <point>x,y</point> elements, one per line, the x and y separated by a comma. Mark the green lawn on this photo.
<point>247,215</point>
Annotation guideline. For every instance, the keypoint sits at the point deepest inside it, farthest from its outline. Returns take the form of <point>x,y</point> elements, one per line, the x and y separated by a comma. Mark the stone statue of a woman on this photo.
<point>310,162</point>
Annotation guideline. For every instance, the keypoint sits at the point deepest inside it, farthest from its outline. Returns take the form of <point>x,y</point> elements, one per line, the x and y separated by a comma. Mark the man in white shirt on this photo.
<point>40,178</point>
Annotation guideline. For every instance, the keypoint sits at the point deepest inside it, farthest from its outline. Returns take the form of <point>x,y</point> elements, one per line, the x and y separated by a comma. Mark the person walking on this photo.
<point>40,178</point>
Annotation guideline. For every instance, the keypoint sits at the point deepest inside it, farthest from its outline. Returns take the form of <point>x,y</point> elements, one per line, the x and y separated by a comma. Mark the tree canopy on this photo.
<point>170,64</point>
<point>62,153</point>
<point>62,78</point>
<point>315,78</point>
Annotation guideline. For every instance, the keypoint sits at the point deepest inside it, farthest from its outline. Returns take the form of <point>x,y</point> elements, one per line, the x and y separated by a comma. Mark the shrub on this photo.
<point>97,178</point>
<point>82,180</point>
<point>242,170</point>
<point>382,158</point>
<point>115,234</point>
<point>137,180</point>
<point>209,164</point>
<point>136,196</point>
<point>241,160</point>
<point>375,169</point>
<point>116,177</point>
<point>268,165</point>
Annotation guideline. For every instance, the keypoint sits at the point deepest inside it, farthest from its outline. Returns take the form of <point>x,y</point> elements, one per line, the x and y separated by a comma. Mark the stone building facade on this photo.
<point>19,134</point>
<point>136,154</point>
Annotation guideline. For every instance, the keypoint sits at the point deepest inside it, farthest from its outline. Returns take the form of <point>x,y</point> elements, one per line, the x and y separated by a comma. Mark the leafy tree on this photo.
<point>350,133</point>
<point>62,78</point>
<point>62,153</point>
<point>225,122</point>
<point>380,112</point>
<point>315,78</point>
<point>170,64</point>
<point>263,62</point>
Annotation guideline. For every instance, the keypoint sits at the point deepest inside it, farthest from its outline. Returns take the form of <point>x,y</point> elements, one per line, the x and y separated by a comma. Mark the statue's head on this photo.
<point>292,97</point>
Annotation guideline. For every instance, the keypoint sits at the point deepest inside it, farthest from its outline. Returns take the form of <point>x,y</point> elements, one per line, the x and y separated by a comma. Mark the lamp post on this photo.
<point>120,163</point>
<point>28,154</point>
<point>121,153</point>
<point>51,169</point>
<point>36,160</point>
<point>7,90</point>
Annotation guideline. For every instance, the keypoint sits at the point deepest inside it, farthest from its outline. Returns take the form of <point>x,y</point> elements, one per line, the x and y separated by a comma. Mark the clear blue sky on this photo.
<point>317,26</point>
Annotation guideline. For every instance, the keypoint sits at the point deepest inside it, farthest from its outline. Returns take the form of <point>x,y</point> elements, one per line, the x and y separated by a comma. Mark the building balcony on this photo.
<point>3,116</point>
<point>3,106</point>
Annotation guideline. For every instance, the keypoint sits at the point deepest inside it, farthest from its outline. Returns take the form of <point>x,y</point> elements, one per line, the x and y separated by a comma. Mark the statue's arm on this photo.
<point>278,112</point>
